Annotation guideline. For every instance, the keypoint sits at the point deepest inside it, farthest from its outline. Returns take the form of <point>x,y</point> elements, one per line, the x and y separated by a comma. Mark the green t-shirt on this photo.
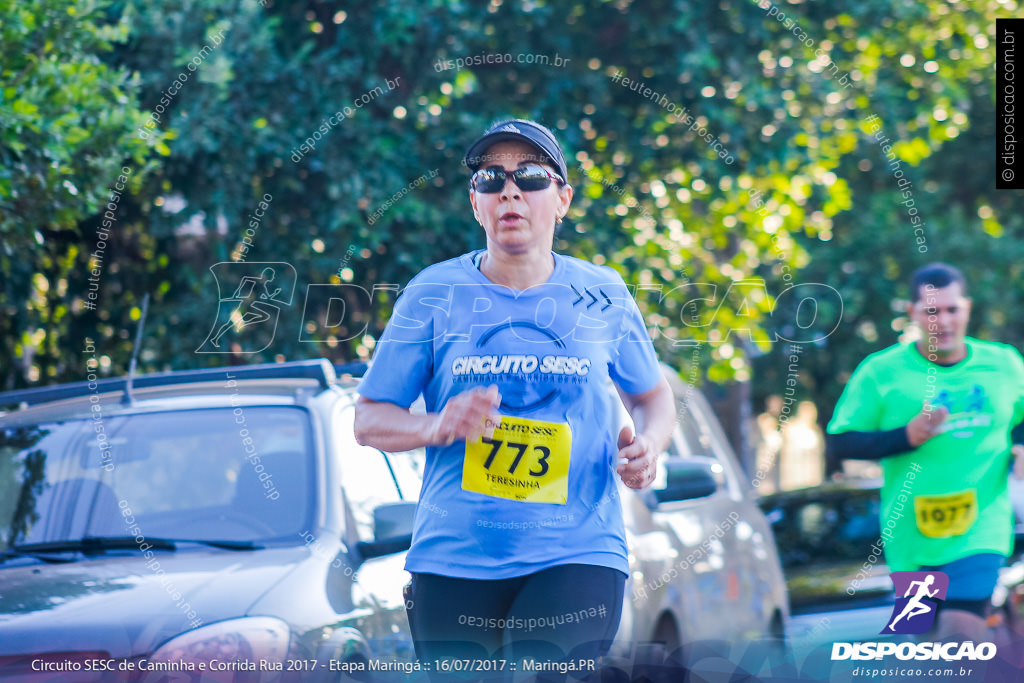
<point>948,498</point>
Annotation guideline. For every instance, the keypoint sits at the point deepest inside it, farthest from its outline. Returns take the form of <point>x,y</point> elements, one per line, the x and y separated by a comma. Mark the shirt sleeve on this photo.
<point>859,407</point>
<point>403,359</point>
<point>1017,363</point>
<point>868,445</point>
<point>634,366</point>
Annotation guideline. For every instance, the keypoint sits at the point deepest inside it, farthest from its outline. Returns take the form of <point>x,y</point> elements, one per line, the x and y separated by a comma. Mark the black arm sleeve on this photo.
<point>1017,434</point>
<point>868,445</point>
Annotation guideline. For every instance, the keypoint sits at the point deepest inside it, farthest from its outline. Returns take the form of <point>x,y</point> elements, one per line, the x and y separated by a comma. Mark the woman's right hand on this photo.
<point>467,416</point>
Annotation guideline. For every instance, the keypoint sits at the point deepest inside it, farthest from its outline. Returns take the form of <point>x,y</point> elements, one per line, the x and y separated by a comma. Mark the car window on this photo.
<point>371,477</point>
<point>701,438</point>
<point>839,529</point>
<point>369,480</point>
<point>710,434</point>
<point>195,474</point>
<point>408,470</point>
<point>689,425</point>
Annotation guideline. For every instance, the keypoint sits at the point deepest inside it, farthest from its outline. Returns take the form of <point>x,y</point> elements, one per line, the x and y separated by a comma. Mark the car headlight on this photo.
<point>246,639</point>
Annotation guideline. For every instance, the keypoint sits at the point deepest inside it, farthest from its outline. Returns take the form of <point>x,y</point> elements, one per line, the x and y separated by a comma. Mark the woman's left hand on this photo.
<point>641,461</point>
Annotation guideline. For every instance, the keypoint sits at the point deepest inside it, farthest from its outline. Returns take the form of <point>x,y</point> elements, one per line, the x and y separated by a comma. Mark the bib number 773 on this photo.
<point>520,449</point>
<point>524,460</point>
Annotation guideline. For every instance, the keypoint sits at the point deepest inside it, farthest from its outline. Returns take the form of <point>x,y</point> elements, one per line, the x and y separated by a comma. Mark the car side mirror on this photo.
<point>392,530</point>
<point>774,516</point>
<point>686,480</point>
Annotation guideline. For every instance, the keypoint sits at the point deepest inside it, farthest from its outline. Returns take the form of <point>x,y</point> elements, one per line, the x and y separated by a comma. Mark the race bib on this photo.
<point>525,460</point>
<point>945,516</point>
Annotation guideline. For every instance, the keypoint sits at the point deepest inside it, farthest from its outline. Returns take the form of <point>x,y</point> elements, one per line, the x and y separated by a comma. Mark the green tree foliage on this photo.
<point>66,130</point>
<point>790,200</point>
<point>933,94</point>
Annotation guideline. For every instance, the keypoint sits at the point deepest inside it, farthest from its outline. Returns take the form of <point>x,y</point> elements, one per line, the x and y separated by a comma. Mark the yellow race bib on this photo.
<point>525,460</point>
<point>945,516</point>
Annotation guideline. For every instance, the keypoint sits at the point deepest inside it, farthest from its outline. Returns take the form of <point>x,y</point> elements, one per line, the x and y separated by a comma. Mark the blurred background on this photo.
<point>745,164</point>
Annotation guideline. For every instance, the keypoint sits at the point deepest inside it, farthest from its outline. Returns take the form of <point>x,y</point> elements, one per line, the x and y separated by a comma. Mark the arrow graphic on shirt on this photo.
<point>576,291</point>
<point>593,299</point>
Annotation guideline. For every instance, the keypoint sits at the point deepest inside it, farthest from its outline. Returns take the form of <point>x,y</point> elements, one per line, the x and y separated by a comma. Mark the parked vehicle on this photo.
<point>227,516</point>
<point>217,516</point>
<point>703,562</point>
<point>839,585</point>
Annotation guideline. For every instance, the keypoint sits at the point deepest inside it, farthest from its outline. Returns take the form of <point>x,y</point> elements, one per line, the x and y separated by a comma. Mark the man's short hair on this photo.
<point>938,275</point>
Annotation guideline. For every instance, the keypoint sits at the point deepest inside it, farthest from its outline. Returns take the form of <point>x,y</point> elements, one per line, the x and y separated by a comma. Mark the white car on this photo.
<point>703,562</point>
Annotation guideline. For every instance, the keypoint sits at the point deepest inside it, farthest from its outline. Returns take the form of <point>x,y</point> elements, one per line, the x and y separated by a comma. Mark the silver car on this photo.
<point>703,562</point>
<point>230,524</point>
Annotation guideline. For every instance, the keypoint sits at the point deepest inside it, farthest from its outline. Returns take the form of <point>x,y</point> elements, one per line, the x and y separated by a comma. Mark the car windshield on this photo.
<point>189,475</point>
<point>833,530</point>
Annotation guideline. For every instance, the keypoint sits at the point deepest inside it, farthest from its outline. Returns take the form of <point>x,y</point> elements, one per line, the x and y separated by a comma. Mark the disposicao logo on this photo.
<point>914,613</point>
<point>947,652</point>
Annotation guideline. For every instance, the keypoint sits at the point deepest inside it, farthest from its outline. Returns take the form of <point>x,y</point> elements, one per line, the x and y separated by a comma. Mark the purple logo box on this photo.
<point>917,594</point>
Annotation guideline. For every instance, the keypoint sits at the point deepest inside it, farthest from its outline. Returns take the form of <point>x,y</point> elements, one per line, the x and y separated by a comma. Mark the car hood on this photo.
<point>122,606</point>
<point>837,586</point>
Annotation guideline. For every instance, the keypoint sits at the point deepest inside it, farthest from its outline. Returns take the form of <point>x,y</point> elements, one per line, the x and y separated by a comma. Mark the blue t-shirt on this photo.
<point>550,350</point>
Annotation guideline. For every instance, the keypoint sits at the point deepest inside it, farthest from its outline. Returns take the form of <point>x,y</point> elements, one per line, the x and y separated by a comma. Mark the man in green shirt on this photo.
<point>938,414</point>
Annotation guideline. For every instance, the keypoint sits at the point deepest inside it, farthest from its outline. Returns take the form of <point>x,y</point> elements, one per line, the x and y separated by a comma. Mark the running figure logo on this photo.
<point>914,613</point>
<point>247,319</point>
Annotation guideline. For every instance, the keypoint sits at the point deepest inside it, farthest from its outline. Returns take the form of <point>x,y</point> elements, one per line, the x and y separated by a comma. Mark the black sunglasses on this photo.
<point>526,178</point>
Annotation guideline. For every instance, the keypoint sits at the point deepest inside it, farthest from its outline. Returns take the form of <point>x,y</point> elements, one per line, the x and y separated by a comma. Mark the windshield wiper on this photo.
<point>94,545</point>
<point>10,552</point>
<point>225,545</point>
